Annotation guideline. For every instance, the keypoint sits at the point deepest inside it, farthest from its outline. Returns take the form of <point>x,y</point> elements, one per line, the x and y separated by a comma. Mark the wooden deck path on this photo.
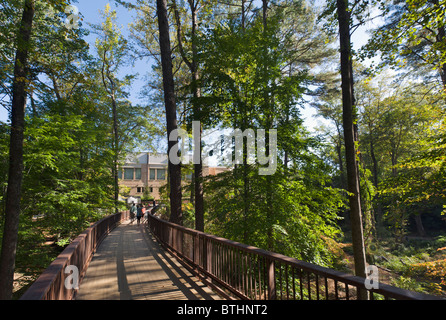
<point>130,265</point>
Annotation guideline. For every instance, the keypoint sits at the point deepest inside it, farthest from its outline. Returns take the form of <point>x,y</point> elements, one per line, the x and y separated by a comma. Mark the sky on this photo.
<point>90,11</point>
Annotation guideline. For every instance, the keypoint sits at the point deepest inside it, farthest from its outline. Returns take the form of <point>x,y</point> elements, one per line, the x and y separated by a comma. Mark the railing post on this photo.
<point>196,249</point>
<point>208,255</point>
<point>203,253</point>
<point>174,238</point>
<point>271,280</point>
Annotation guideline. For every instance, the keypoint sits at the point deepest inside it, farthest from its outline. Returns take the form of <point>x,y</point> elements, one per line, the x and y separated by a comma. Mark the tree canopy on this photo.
<point>373,174</point>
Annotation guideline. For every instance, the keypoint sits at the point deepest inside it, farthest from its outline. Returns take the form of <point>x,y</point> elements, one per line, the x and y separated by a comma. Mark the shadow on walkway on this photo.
<point>130,265</point>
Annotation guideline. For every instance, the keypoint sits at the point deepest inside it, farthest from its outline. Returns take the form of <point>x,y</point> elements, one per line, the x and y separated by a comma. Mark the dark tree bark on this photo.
<point>111,90</point>
<point>339,152</point>
<point>420,227</point>
<point>197,181</point>
<point>198,165</point>
<point>171,110</point>
<point>375,163</point>
<point>15,175</point>
<point>349,136</point>
<point>116,153</point>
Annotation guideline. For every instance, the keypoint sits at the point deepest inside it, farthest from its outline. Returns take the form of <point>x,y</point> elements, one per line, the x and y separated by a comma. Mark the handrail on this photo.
<point>252,273</point>
<point>51,283</point>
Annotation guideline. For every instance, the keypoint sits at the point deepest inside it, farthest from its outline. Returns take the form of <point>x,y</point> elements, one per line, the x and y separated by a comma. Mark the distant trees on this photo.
<point>412,41</point>
<point>393,118</point>
<point>398,126</point>
<point>399,115</point>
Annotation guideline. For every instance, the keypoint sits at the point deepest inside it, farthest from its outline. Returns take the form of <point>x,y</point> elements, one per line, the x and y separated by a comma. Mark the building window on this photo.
<point>161,174</point>
<point>140,189</point>
<point>128,173</point>
<point>152,174</point>
<point>137,173</point>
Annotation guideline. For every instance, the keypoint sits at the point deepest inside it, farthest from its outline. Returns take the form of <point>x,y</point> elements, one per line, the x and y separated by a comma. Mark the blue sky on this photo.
<point>89,9</point>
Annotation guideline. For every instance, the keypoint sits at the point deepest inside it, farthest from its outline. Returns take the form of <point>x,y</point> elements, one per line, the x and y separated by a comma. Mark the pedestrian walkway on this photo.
<point>130,265</point>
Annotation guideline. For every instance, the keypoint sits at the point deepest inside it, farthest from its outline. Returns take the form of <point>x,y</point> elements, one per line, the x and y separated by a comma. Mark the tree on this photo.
<point>412,38</point>
<point>15,174</point>
<point>247,82</point>
<point>349,118</point>
<point>67,181</point>
<point>192,63</point>
<point>170,105</point>
<point>403,124</point>
<point>112,49</point>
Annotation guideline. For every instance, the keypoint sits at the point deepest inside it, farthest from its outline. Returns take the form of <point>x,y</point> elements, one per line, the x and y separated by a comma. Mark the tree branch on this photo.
<point>180,42</point>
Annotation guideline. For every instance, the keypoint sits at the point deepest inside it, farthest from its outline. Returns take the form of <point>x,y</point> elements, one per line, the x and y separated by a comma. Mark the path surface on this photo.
<point>130,265</point>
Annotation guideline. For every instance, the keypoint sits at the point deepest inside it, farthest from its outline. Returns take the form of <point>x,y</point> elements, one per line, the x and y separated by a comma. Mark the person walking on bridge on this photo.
<point>132,212</point>
<point>139,213</point>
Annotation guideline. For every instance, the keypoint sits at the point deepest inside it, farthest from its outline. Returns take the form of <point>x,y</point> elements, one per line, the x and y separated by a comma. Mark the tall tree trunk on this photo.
<point>111,91</point>
<point>420,227</point>
<point>171,110</point>
<point>264,13</point>
<point>378,206</point>
<point>198,165</point>
<point>198,185</point>
<point>197,180</point>
<point>15,175</point>
<point>349,136</point>
<point>393,158</point>
<point>116,152</point>
<point>269,102</point>
<point>375,163</point>
<point>243,14</point>
<point>339,152</point>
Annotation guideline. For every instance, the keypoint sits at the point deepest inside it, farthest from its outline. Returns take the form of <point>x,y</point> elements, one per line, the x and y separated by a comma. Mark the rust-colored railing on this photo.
<point>51,283</point>
<point>248,272</point>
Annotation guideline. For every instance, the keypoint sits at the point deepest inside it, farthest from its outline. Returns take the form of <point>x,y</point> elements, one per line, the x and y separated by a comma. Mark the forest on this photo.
<point>364,186</point>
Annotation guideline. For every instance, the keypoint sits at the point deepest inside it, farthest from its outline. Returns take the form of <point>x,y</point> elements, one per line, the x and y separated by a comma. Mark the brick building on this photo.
<point>148,170</point>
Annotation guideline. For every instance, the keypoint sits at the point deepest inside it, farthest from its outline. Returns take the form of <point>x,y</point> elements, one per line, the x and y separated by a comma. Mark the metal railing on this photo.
<point>248,272</point>
<point>51,283</point>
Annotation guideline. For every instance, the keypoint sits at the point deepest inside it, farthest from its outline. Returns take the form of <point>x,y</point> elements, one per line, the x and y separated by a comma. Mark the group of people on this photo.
<point>138,211</point>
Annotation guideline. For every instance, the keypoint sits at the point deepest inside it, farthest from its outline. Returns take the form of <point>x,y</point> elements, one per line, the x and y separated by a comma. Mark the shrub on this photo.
<point>435,270</point>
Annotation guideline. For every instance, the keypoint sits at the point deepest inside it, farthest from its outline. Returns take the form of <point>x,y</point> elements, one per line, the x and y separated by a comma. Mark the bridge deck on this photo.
<point>130,265</point>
